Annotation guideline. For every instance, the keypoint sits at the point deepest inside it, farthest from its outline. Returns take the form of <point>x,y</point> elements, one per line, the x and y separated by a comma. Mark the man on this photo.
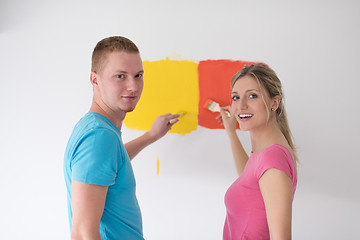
<point>99,178</point>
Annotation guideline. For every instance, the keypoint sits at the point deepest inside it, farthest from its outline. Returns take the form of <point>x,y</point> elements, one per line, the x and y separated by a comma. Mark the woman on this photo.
<point>259,202</point>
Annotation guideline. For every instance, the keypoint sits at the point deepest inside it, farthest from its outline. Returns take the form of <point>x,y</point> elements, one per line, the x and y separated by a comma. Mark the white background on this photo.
<point>45,52</point>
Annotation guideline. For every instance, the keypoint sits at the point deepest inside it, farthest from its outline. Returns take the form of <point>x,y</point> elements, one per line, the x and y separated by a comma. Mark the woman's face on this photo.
<point>248,105</point>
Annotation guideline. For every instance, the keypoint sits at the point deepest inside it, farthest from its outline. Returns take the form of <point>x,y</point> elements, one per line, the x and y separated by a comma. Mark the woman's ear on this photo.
<point>275,103</point>
<point>93,79</point>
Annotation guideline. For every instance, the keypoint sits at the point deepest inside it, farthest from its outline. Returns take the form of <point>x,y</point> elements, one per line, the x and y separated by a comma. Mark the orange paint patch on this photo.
<point>214,83</point>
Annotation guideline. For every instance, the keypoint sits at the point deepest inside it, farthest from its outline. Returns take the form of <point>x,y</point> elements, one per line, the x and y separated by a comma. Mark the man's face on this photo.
<point>120,82</point>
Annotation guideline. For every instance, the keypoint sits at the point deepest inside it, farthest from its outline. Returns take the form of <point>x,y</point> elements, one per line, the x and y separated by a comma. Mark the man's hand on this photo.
<point>160,127</point>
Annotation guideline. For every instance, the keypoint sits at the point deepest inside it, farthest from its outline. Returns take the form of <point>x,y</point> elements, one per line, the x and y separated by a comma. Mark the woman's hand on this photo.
<point>229,123</point>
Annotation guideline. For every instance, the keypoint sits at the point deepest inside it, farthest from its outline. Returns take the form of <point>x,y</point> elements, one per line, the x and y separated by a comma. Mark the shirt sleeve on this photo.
<point>277,158</point>
<point>95,160</point>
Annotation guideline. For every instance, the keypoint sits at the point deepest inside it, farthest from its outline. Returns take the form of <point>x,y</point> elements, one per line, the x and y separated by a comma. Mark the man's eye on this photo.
<point>140,75</point>
<point>121,76</point>
<point>234,98</point>
<point>253,96</point>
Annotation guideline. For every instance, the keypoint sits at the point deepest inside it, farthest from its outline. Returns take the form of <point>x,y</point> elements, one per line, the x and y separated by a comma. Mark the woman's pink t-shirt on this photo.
<point>245,209</point>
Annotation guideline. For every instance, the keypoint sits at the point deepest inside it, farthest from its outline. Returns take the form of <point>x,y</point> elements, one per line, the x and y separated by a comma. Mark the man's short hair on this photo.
<point>108,45</point>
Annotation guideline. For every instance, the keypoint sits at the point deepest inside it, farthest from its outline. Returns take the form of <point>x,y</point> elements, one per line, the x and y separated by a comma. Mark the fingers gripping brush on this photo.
<point>178,113</point>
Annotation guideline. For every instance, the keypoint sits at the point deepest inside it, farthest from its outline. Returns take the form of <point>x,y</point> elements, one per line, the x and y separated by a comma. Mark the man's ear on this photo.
<point>93,78</point>
<point>276,102</point>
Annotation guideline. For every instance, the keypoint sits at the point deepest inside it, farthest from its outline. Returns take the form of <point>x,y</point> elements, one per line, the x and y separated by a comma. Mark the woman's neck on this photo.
<point>266,136</point>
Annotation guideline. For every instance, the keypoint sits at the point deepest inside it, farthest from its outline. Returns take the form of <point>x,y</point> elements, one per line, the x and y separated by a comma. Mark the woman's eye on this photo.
<point>234,98</point>
<point>121,76</point>
<point>253,96</point>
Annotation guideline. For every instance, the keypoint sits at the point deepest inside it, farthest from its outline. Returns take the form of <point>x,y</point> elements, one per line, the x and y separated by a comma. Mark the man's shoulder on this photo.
<point>95,121</point>
<point>94,125</point>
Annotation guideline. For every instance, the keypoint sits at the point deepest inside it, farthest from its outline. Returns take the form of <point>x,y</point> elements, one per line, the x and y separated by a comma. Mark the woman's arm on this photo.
<point>276,189</point>
<point>239,154</point>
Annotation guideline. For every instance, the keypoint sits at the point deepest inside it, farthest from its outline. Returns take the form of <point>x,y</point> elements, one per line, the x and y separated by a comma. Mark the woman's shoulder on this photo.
<point>277,150</point>
<point>279,157</point>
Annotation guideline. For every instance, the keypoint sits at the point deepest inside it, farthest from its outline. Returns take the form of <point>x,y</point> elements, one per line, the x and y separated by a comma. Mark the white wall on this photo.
<point>45,50</point>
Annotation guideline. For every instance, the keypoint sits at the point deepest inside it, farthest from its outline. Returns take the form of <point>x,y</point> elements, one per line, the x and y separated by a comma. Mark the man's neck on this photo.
<point>115,118</point>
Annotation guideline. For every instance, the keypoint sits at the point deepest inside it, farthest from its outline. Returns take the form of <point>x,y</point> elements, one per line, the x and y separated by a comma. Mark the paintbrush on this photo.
<point>214,106</point>
<point>178,113</point>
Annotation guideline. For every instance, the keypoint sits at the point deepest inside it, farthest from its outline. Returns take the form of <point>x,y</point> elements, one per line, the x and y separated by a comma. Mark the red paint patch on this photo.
<point>214,83</point>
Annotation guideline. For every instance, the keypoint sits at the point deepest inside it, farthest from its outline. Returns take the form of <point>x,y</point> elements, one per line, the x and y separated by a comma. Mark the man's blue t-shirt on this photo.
<point>95,154</point>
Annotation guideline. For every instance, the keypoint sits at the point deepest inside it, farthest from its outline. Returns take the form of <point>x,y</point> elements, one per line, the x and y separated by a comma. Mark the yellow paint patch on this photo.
<point>157,166</point>
<point>170,86</point>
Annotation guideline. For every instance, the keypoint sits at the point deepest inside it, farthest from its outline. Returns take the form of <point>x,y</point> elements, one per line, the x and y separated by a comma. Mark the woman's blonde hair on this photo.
<point>269,82</point>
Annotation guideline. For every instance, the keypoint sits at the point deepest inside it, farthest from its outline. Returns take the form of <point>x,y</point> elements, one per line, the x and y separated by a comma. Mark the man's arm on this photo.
<point>159,128</point>
<point>88,203</point>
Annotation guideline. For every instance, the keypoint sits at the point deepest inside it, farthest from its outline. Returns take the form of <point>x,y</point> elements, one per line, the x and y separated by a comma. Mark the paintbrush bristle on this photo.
<point>212,106</point>
<point>175,119</point>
